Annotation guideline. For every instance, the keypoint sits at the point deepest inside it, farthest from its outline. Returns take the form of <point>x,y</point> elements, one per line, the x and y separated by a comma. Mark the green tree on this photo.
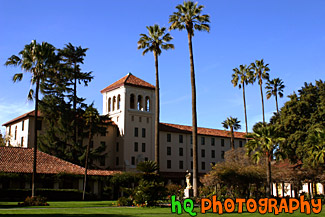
<point>262,143</point>
<point>315,146</point>
<point>241,77</point>
<point>232,124</point>
<point>261,72</point>
<point>188,16</point>
<point>39,60</point>
<point>156,40</point>
<point>274,88</point>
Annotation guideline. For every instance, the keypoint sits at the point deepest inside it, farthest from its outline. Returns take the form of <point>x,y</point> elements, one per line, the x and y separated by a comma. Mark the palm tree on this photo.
<point>73,57</point>
<point>156,40</point>
<point>275,87</point>
<point>241,77</point>
<point>39,60</point>
<point>232,124</point>
<point>262,143</point>
<point>188,16</point>
<point>261,72</point>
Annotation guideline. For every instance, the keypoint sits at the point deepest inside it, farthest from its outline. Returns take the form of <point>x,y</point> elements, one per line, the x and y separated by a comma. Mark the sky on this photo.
<point>289,35</point>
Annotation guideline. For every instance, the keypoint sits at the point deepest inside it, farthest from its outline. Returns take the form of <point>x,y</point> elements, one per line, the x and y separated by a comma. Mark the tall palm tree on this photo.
<point>241,77</point>
<point>274,88</point>
<point>261,72</point>
<point>73,57</point>
<point>156,40</point>
<point>262,143</point>
<point>39,60</point>
<point>232,124</point>
<point>188,16</point>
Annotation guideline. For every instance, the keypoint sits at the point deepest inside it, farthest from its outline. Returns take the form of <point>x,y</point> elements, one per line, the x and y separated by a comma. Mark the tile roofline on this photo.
<point>21,117</point>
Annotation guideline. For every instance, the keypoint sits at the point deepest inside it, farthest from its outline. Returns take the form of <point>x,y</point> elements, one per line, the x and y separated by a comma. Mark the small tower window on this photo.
<point>147,108</point>
<point>132,103</point>
<point>109,104</point>
<point>114,103</point>
<point>118,102</point>
<point>139,105</point>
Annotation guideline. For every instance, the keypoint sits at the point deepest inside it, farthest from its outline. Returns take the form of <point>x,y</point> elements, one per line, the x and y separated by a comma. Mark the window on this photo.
<point>240,143</point>
<point>136,147</point>
<point>117,132</point>
<point>102,161</point>
<point>191,152</point>
<point>117,147</point>
<point>22,125</point>
<point>22,142</point>
<point>203,165</point>
<point>202,140</point>
<point>213,154</point>
<point>147,120</point>
<point>181,165</point>
<point>39,124</point>
<point>222,142</point>
<point>132,101</point>
<point>169,137</point>
<point>103,133</point>
<point>118,101</point>
<point>133,160</point>
<point>132,118</point>
<point>109,103</point>
<point>15,133</point>
<point>169,151</point>
<point>191,165</point>
<point>117,161</point>
<point>146,159</point>
<point>147,104</point>
<point>180,151</point>
<point>136,132</point>
<point>143,132</point>
<point>212,141</point>
<point>180,138</point>
<point>222,154</point>
<point>139,104</point>
<point>114,103</point>
<point>169,164</point>
<point>102,143</point>
<point>140,119</point>
<point>143,147</point>
<point>191,139</point>
<point>202,153</point>
<point>9,131</point>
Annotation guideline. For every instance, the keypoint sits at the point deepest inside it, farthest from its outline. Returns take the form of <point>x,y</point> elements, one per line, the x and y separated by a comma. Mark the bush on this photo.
<point>174,189</point>
<point>149,192</point>
<point>34,201</point>
<point>123,201</point>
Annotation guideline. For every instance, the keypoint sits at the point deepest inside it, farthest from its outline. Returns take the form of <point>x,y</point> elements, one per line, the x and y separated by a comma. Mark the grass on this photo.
<point>80,209</point>
<point>62,204</point>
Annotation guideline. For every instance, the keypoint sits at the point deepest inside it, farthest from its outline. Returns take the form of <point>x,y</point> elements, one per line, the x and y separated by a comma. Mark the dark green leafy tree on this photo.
<point>241,77</point>
<point>262,144</point>
<point>232,124</point>
<point>40,60</point>
<point>156,40</point>
<point>275,88</point>
<point>261,72</point>
<point>188,17</point>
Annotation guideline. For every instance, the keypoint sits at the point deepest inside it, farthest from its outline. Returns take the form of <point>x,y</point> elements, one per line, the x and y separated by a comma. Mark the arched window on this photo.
<point>114,103</point>
<point>139,104</point>
<point>132,103</point>
<point>16,133</point>
<point>147,104</point>
<point>119,102</point>
<point>109,103</point>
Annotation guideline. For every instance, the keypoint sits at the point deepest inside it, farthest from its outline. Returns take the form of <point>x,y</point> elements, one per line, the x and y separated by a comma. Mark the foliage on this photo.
<point>149,192</point>
<point>174,189</point>
<point>301,121</point>
<point>275,88</point>
<point>232,124</point>
<point>147,167</point>
<point>34,201</point>
<point>123,201</point>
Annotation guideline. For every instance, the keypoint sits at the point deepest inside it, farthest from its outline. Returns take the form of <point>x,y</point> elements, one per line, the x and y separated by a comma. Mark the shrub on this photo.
<point>149,192</point>
<point>34,201</point>
<point>174,189</point>
<point>123,201</point>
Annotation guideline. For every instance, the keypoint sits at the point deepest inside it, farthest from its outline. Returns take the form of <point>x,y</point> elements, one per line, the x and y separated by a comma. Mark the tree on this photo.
<point>188,16</point>
<point>261,72</point>
<point>156,40</point>
<point>232,124</point>
<point>262,143</point>
<point>241,77</point>
<point>274,88</point>
<point>39,60</point>
<point>74,56</point>
<point>315,146</point>
<point>94,124</point>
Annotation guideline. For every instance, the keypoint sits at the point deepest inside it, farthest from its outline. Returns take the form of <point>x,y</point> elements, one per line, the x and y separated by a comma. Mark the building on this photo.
<point>129,102</point>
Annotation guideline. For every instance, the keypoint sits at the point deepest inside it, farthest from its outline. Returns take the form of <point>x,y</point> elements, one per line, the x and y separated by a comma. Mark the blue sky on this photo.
<point>289,35</point>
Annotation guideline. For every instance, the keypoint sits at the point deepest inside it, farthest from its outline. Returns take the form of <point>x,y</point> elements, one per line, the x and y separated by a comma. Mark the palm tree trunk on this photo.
<point>232,138</point>
<point>245,109</point>
<point>35,138</point>
<point>75,104</point>
<point>260,77</point>
<point>276,102</point>
<point>86,164</point>
<point>157,113</point>
<point>194,120</point>
<point>268,174</point>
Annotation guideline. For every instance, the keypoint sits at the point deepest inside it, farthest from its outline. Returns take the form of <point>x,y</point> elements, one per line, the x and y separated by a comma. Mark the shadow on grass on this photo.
<point>81,215</point>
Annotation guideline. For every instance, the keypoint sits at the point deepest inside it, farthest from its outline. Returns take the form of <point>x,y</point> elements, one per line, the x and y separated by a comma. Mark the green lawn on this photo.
<point>63,204</point>
<point>101,211</point>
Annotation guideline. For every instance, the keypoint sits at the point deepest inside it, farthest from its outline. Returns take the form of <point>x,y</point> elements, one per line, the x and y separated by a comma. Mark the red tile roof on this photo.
<point>175,128</point>
<point>130,80</point>
<point>20,160</point>
<point>21,117</point>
